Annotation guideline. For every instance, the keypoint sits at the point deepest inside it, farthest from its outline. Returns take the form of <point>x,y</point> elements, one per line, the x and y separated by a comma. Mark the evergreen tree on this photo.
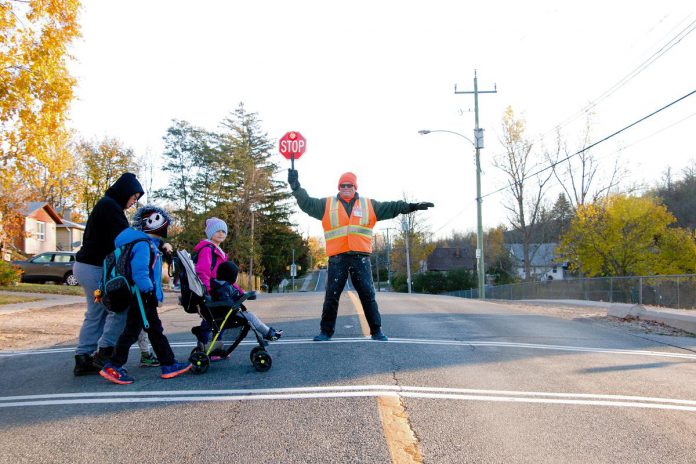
<point>256,202</point>
<point>680,196</point>
<point>187,159</point>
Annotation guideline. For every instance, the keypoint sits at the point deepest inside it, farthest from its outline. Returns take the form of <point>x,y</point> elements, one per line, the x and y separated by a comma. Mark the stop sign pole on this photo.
<point>292,145</point>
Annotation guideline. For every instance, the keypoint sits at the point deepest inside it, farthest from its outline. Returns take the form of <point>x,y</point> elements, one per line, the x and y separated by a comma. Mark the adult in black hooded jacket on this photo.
<point>101,328</point>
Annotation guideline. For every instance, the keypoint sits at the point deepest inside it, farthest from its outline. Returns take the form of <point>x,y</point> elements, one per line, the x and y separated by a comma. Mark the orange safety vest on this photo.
<point>343,233</point>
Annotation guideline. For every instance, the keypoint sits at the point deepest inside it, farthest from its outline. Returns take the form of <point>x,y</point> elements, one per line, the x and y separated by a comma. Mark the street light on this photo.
<point>478,135</point>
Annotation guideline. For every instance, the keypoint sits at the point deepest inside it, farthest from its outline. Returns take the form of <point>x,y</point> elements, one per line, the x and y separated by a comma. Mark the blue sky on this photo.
<point>360,78</point>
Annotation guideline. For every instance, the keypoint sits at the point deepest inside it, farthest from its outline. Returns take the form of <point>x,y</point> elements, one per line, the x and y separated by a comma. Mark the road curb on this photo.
<point>676,318</point>
<point>682,319</point>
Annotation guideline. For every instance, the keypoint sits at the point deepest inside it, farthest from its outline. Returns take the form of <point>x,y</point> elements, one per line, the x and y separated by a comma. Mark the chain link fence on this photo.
<point>673,291</point>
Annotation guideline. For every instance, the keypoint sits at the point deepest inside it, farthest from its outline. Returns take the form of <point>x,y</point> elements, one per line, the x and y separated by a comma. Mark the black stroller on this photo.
<point>221,315</point>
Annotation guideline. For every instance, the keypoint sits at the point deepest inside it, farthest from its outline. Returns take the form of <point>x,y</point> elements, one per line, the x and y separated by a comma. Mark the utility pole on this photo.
<point>406,228</point>
<point>389,259</point>
<point>251,252</point>
<point>293,270</point>
<point>478,137</point>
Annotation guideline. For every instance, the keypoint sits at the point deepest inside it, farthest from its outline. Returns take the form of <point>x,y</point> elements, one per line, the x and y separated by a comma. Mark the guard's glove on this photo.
<point>419,206</point>
<point>293,177</point>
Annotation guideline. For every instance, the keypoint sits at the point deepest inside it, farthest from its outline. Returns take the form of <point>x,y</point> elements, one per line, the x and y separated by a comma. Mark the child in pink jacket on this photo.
<point>208,253</point>
<point>208,256</point>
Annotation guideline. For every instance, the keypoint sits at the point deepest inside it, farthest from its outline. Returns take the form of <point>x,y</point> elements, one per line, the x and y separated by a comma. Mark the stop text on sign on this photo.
<point>292,144</point>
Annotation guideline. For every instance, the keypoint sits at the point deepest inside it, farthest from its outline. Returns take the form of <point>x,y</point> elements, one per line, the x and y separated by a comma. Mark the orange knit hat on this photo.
<point>348,178</point>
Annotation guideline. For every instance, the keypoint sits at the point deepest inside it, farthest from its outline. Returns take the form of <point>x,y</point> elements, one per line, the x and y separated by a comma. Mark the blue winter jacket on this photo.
<point>144,277</point>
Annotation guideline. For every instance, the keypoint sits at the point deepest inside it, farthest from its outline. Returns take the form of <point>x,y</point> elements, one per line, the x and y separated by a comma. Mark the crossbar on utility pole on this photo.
<point>478,136</point>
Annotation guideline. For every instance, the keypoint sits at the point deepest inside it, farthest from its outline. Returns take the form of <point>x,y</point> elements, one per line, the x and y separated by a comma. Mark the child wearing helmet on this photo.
<point>149,226</point>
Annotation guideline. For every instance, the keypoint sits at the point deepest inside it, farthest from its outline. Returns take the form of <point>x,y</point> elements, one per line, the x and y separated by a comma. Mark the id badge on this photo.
<point>357,213</point>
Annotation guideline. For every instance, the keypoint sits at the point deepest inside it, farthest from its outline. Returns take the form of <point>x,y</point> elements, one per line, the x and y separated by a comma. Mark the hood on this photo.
<point>202,244</point>
<point>130,234</point>
<point>126,186</point>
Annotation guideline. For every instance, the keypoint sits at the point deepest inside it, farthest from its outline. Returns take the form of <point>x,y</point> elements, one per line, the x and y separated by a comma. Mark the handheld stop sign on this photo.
<point>292,145</point>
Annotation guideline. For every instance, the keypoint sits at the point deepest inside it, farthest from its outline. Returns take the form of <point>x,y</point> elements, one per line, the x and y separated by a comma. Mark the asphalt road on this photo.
<point>472,382</point>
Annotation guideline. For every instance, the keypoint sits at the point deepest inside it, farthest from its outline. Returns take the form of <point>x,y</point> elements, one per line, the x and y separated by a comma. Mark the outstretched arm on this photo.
<point>391,209</point>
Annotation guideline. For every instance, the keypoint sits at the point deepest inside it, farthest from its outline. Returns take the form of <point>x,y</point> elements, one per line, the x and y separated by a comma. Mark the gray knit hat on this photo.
<point>214,224</point>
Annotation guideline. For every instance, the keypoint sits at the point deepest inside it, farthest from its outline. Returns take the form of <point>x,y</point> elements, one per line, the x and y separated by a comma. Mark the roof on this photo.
<point>72,225</point>
<point>29,208</point>
<point>447,259</point>
<point>540,254</point>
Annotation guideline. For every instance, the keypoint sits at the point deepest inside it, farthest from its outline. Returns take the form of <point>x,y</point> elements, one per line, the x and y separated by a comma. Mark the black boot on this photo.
<point>102,356</point>
<point>84,366</point>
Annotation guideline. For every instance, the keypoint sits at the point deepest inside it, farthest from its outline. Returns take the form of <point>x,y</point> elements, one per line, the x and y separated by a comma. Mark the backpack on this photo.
<point>190,300</point>
<point>117,287</point>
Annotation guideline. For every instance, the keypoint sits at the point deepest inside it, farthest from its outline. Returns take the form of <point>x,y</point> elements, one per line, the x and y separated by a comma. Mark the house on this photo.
<point>45,230</point>
<point>544,263</point>
<point>448,258</point>
<point>69,235</point>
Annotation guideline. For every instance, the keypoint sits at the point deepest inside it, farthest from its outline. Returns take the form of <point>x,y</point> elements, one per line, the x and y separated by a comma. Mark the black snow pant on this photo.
<point>360,270</point>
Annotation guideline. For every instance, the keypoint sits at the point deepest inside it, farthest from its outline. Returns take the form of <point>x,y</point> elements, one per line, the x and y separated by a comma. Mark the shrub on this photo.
<point>399,282</point>
<point>9,274</point>
<point>430,282</point>
<point>461,279</point>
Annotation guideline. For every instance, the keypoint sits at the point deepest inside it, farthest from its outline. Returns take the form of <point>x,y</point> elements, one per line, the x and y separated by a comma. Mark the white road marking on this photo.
<point>351,391</point>
<point>409,341</point>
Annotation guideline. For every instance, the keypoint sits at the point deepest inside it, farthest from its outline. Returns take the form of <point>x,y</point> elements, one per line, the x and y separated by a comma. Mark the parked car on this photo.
<point>50,266</point>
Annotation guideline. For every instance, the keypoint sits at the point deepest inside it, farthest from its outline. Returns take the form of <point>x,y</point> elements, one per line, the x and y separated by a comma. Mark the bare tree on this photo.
<point>527,184</point>
<point>413,246</point>
<point>577,171</point>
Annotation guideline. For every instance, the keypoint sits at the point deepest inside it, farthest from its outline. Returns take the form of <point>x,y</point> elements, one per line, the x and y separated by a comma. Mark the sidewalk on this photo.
<point>682,319</point>
<point>47,300</point>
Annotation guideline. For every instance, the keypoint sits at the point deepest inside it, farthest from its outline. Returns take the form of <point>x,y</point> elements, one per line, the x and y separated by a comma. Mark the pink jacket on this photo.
<point>205,260</point>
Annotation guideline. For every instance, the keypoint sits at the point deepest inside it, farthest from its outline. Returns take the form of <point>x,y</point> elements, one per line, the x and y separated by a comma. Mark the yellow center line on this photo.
<point>401,441</point>
<point>364,326</point>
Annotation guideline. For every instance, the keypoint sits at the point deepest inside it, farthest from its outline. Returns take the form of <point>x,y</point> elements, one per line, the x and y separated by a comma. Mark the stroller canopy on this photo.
<point>194,282</point>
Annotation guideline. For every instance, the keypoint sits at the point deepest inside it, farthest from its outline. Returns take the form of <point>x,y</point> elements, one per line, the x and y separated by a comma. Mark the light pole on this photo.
<point>478,135</point>
<point>389,258</point>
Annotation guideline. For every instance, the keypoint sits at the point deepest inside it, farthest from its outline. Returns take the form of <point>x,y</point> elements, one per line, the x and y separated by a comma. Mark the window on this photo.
<point>62,258</point>
<point>40,230</point>
<point>44,258</point>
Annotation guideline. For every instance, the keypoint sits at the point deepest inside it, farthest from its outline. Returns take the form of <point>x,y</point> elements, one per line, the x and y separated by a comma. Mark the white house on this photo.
<point>544,263</point>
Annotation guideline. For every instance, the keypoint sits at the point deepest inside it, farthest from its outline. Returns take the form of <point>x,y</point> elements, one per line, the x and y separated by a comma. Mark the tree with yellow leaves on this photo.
<point>102,162</point>
<point>317,251</point>
<point>624,235</point>
<point>35,93</point>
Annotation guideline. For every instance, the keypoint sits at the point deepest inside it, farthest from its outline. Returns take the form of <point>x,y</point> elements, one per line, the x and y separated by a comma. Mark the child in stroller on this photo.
<point>224,287</point>
<point>217,316</point>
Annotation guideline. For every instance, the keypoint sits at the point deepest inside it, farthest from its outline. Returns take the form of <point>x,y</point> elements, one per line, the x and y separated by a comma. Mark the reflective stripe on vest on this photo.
<point>354,236</point>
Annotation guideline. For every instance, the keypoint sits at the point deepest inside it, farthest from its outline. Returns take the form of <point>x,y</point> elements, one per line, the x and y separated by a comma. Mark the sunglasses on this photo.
<point>346,186</point>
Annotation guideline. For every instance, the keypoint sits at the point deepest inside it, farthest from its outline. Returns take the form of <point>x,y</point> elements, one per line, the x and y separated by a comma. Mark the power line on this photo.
<point>643,189</point>
<point>635,72</point>
<point>552,165</point>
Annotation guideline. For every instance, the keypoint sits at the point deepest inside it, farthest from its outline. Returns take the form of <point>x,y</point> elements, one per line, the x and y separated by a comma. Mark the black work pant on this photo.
<point>360,270</point>
<point>134,324</point>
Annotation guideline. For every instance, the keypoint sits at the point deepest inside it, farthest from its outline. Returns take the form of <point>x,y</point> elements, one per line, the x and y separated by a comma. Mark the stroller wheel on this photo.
<point>262,360</point>
<point>199,362</point>
<point>255,350</point>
